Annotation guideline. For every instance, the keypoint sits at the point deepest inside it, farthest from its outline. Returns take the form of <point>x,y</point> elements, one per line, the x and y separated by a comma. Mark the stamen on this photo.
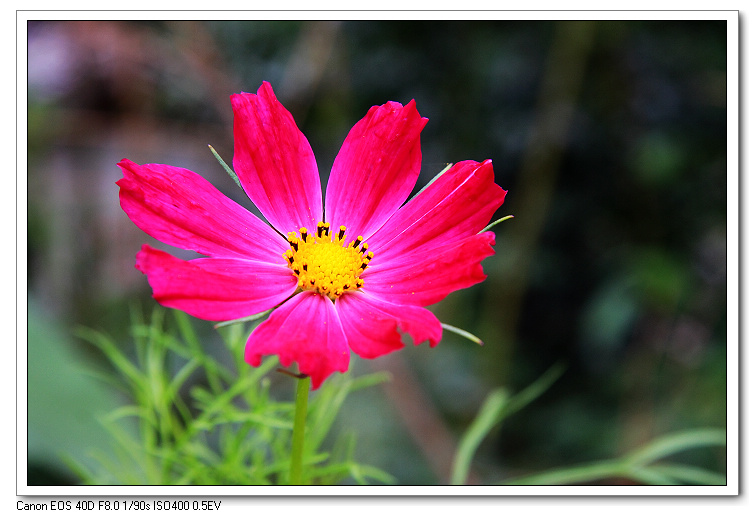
<point>324,263</point>
<point>292,241</point>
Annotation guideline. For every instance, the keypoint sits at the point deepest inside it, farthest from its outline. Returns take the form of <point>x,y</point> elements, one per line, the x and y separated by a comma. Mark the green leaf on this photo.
<point>690,474</point>
<point>581,474</point>
<point>486,419</point>
<point>637,466</point>
<point>497,406</point>
<point>228,431</point>
<point>677,442</point>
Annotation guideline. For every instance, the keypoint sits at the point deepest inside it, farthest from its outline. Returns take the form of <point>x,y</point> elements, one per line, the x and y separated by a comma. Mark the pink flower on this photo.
<point>352,274</point>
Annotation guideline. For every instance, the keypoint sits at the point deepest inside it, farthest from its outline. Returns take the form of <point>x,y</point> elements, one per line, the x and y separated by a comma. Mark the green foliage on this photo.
<point>196,419</point>
<point>199,419</point>
<point>642,465</point>
<point>497,406</point>
<point>60,399</point>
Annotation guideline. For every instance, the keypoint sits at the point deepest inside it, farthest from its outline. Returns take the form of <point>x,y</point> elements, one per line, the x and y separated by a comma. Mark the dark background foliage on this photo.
<point>610,137</point>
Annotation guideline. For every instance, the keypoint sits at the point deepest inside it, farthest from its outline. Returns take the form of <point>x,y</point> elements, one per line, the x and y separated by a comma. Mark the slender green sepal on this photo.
<point>496,222</point>
<point>226,167</point>
<point>243,319</point>
<point>448,166</point>
<point>463,333</point>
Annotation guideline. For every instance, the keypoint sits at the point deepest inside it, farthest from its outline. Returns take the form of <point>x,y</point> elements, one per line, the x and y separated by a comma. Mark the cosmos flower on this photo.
<point>352,274</point>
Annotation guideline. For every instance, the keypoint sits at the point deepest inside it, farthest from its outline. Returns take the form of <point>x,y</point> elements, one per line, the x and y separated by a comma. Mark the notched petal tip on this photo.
<point>456,204</point>
<point>274,161</point>
<point>129,170</point>
<point>451,268</point>
<point>374,326</point>
<point>182,209</point>
<point>265,91</point>
<point>214,289</point>
<point>376,168</point>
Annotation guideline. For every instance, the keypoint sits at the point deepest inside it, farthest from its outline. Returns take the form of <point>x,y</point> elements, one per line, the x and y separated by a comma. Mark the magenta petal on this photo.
<point>422,279</point>
<point>376,168</point>
<point>182,209</point>
<point>305,330</point>
<point>274,161</point>
<point>458,204</point>
<point>374,326</point>
<point>215,289</point>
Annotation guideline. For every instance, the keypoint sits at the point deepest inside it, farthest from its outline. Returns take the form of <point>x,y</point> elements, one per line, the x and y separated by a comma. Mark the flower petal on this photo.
<point>374,326</point>
<point>457,204</point>
<point>274,161</point>
<point>182,209</point>
<point>215,289</point>
<point>376,168</point>
<point>421,279</point>
<point>306,330</point>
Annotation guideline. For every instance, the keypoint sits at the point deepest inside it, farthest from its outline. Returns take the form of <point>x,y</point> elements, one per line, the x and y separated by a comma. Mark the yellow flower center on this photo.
<point>324,264</point>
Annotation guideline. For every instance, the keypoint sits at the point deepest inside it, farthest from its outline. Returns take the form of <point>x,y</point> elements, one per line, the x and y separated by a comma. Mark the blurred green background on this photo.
<point>609,136</point>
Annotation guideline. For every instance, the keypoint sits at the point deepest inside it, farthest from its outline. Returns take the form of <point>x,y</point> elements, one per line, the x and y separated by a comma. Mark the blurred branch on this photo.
<point>531,197</point>
<point>417,412</point>
<point>199,49</point>
<point>307,64</point>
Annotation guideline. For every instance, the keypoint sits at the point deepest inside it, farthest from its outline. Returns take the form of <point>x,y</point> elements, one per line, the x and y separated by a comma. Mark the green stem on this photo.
<point>300,421</point>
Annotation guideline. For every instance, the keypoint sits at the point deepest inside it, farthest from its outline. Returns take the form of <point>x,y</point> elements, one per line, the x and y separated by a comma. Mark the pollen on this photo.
<point>325,263</point>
